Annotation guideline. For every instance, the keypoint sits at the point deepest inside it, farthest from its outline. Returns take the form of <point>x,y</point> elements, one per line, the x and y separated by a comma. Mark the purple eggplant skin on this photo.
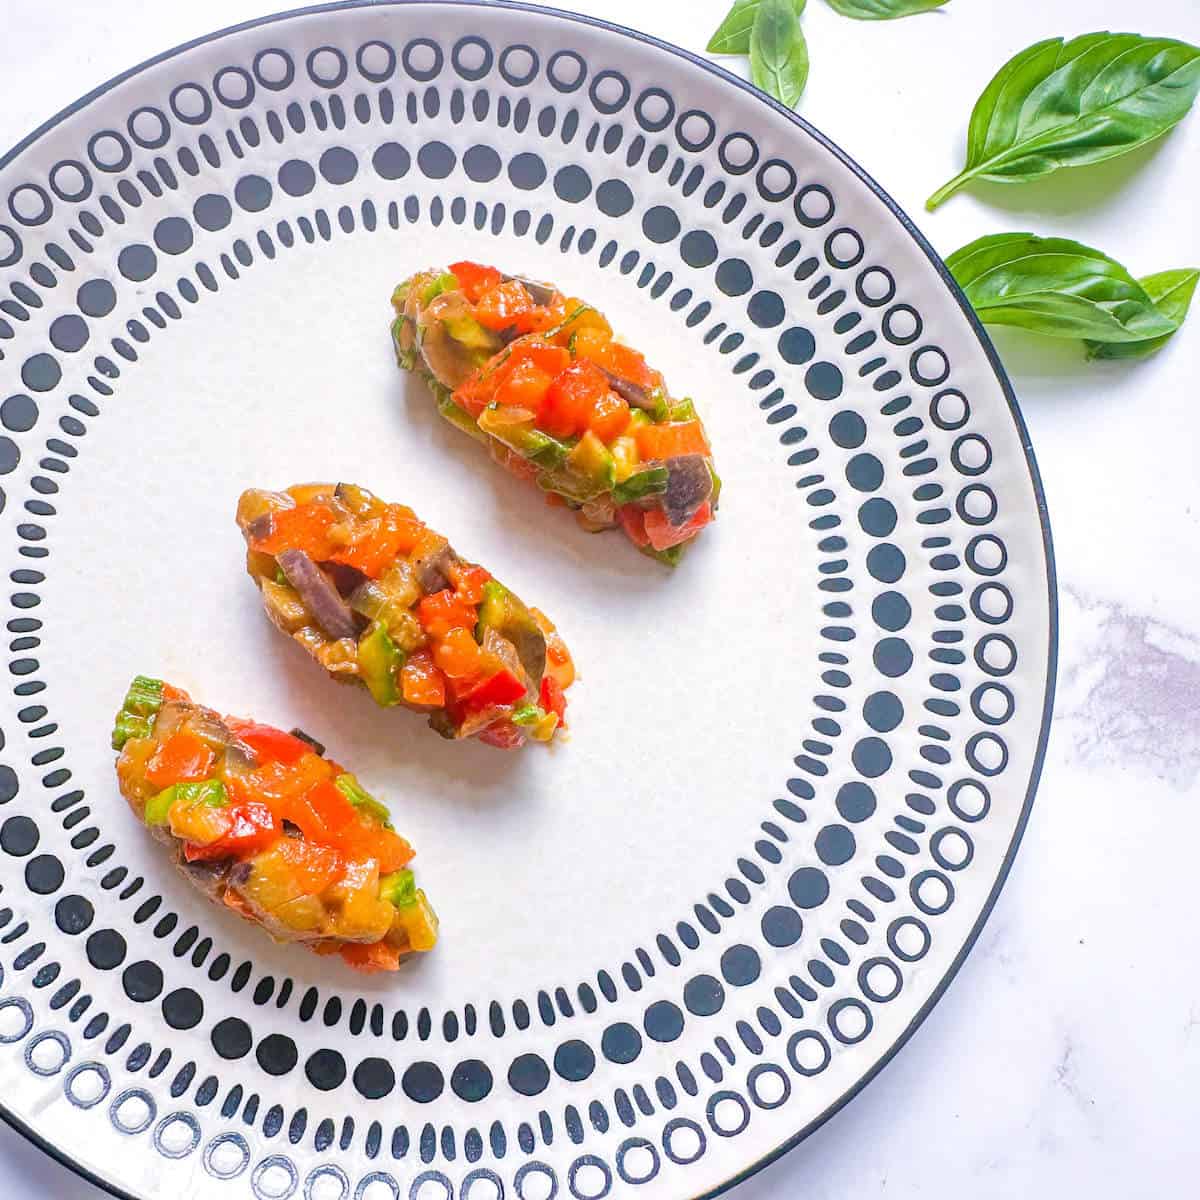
<point>317,591</point>
<point>689,485</point>
<point>539,293</point>
<point>431,568</point>
<point>633,394</point>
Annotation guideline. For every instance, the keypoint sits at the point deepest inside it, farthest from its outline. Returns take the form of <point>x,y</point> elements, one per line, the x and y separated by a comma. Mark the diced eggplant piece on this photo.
<point>319,594</point>
<point>432,567</point>
<point>689,485</point>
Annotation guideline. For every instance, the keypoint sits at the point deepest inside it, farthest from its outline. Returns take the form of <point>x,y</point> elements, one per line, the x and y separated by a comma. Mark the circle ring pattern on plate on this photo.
<point>41,372</point>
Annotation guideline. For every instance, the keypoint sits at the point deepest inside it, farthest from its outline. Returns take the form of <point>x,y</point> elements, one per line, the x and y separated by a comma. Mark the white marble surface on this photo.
<point>1066,1056</point>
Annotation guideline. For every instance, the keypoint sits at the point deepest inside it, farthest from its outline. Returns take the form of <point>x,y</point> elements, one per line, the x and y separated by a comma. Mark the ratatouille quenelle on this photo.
<point>381,600</point>
<point>261,821</point>
<point>540,378</point>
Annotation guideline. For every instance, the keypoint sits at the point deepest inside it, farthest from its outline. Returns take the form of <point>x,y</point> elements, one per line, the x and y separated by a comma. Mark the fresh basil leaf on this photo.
<point>884,10</point>
<point>1068,104</point>
<point>778,52</point>
<point>733,34</point>
<point>1057,287</point>
<point>1172,293</point>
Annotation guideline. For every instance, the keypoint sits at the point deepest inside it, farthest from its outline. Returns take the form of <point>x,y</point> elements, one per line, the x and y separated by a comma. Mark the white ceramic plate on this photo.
<point>800,764</point>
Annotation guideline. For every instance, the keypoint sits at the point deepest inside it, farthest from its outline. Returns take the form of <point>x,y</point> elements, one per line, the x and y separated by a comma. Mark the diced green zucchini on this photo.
<point>682,410</point>
<point>398,888</point>
<point>406,357</point>
<point>209,792</point>
<point>650,481</point>
<point>458,417</point>
<point>444,282</point>
<point>380,661</point>
<point>527,714</point>
<point>141,705</point>
<point>527,441</point>
<point>670,556</point>
<point>349,786</point>
<point>467,331</point>
<point>716,492</point>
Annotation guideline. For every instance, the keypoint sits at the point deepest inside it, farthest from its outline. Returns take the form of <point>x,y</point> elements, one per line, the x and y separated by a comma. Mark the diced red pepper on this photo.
<point>421,682</point>
<point>499,689</point>
<point>252,827</point>
<point>321,812</point>
<point>443,611</point>
<point>374,956</point>
<point>170,693</point>
<point>361,841</point>
<point>275,783</point>
<point>662,535</point>
<point>552,698</point>
<point>504,735</point>
<point>270,744</point>
<point>183,757</point>
<point>672,438</point>
<point>475,279</point>
<point>633,521</point>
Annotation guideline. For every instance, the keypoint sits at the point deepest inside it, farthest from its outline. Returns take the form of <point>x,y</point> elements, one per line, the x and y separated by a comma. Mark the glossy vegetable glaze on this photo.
<point>541,380</point>
<point>381,600</point>
<point>261,821</point>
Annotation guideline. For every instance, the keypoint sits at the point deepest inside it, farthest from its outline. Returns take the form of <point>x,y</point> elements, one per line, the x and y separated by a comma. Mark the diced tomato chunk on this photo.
<point>609,416</point>
<point>268,743</point>
<point>633,521</point>
<point>629,364</point>
<point>305,527</point>
<point>570,400</point>
<point>384,539</point>
<point>525,386</point>
<point>181,758</point>
<point>443,611</point>
<point>662,535</point>
<point>421,682</point>
<point>312,867</point>
<point>468,580</point>
<point>475,279</point>
<point>670,439</point>
<point>503,306</point>
<point>460,658</point>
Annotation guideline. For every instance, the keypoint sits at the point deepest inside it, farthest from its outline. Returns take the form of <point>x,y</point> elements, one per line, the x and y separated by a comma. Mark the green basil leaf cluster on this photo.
<point>733,34</point>
<point>884,10</point>
<point>1062,288</point>
<point>778,52</point>
<point>1172,293</point>
<point>769,32</point>
<point>1069,103</point>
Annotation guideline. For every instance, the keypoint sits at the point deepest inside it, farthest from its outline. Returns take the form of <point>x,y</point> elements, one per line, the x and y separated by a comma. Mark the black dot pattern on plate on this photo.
<point>726,300</point>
